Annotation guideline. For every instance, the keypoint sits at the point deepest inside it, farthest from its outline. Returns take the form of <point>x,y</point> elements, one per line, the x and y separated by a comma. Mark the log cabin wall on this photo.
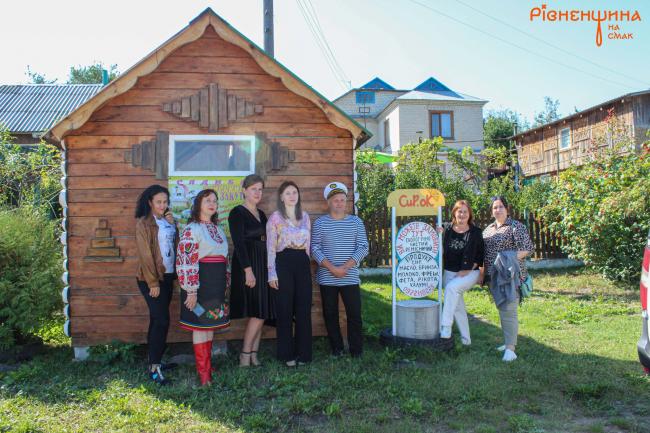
<point>641,118</point>
<point>538,151</point>
<point>102,185</point>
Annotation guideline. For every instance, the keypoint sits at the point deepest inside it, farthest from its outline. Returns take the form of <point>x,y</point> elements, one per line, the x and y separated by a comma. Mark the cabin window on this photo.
<point>442,124</point>
<point>565,138</point>
<point>211,155</point>
<point>365,97</point>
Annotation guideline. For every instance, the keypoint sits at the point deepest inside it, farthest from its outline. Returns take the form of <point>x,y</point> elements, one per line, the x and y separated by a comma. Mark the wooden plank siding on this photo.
<point>105,303</point>
<point>539,150</point>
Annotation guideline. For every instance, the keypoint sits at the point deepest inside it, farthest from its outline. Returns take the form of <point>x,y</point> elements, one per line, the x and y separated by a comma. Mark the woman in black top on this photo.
<point>250,295</point>
<point>463,255</point>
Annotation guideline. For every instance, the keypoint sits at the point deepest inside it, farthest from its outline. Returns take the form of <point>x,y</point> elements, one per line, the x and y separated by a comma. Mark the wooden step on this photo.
<point>103,252</point>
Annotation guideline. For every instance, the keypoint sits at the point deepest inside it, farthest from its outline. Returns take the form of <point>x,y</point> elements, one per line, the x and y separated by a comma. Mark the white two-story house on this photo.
<point>397,117</point>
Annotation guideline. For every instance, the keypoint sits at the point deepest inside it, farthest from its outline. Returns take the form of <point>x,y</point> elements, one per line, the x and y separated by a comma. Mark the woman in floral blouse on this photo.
<point>288,233</point>
<point>506,234</point>
<point>201,264</point>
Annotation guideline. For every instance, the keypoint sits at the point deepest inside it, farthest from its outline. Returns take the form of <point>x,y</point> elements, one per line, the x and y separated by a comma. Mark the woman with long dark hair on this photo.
<point>156,238</point>
<point>201,264</point>
<point>507,244</point>
<point>250,295</point>
<point>288,235</point>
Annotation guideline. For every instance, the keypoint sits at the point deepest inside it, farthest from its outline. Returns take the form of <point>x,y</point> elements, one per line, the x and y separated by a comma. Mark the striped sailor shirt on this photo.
<point>338,241</point>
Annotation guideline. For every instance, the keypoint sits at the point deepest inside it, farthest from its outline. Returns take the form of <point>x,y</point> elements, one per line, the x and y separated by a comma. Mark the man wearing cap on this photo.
<point>338,245</point>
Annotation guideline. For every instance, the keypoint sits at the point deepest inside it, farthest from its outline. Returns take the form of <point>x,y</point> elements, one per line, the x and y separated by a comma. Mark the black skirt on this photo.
<point>252,301</point>
<point>212,298</point>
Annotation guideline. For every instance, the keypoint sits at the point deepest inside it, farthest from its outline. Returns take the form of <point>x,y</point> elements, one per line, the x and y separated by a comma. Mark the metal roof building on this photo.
<point>28,110</point>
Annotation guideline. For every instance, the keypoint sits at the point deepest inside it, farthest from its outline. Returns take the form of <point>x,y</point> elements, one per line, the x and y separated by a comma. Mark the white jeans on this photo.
<point>454,306</point>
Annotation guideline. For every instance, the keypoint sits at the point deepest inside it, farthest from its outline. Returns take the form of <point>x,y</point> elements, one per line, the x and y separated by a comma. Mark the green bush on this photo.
<point>30,271</point>
<point>29,176</point>
<point>603,207</point>
<point>375,180</point>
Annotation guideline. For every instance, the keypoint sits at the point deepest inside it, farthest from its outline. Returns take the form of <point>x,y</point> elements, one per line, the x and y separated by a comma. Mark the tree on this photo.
<point>29,177</point>
<point>550,113</point>
<point>499,125</point>
<point>36,78</point>
<point>91,74</point>
<point>375,181</point>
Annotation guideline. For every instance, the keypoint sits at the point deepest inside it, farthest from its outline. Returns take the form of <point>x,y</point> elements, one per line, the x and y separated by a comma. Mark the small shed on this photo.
<point>204,109</point>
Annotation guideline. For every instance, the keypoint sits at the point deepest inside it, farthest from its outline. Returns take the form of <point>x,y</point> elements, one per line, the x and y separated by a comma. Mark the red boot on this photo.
<point>203,358</point>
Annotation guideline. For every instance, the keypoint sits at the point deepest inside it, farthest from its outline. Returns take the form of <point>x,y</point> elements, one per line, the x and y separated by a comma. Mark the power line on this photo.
<point>331,62</point>
<point>505,41</point>
<point>530,35</point>
<point>319,29</point>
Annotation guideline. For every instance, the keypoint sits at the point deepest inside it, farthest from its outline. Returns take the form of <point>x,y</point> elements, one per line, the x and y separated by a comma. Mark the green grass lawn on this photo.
<point>577,372</point>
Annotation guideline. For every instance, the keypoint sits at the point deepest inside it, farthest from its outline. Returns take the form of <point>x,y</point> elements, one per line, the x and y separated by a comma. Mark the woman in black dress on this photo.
<point>250,295</point>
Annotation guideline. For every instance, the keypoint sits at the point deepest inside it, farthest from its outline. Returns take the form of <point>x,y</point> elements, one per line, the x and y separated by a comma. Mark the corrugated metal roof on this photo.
<point>439,96</point>
<point>30,108</point>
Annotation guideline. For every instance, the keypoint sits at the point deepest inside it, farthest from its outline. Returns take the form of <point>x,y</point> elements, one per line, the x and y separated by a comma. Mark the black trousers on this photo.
<point>351,296</point>
<point>293,301</point>
<point>158,317</point>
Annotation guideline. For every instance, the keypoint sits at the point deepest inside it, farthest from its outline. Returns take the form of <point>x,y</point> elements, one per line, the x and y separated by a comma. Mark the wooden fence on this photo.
<point>547,244</point>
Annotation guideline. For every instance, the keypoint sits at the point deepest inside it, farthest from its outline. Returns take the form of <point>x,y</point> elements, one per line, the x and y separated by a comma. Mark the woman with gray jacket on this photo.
<point>507,244</point>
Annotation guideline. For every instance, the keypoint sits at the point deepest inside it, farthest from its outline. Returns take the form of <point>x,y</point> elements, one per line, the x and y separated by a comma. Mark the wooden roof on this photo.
<point>192,32</point>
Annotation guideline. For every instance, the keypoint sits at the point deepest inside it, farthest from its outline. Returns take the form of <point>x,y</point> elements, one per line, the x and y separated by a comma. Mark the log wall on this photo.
<point>105,303</point>
<point>539,151</point>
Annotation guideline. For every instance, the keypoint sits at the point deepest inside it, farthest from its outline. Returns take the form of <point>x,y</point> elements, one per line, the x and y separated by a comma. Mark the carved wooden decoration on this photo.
<point>102,246</point>
<point>212,107</point>
<point>279,157</point>
<point>151,155</point>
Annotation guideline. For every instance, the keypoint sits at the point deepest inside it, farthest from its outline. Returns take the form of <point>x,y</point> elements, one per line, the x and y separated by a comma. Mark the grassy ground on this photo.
<point>577,372</point>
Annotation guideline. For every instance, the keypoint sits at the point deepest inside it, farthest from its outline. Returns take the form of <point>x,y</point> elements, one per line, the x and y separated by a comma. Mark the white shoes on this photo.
<point>509,355</point>
<point>445,332</point>
<point>501,348</point>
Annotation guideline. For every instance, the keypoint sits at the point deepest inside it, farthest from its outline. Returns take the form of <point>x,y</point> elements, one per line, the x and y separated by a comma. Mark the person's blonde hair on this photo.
<point>457,205</point>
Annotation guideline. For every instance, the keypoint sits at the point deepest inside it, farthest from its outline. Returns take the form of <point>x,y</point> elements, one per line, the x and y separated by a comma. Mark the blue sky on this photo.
<point>401,41</point>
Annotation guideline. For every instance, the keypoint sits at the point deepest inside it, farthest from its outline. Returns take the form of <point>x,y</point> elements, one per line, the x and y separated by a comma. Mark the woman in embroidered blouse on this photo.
<point>506,234</point>
<point>250,295</point>
<point>156,238</point>
<point>201,265</point>
<point>287,241</point>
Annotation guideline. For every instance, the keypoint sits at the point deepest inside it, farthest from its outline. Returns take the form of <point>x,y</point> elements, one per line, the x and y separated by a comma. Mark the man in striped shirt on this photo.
<point>338,244</point>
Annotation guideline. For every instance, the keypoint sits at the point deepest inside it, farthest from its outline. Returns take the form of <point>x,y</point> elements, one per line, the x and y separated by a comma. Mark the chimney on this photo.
<point>268,27</point>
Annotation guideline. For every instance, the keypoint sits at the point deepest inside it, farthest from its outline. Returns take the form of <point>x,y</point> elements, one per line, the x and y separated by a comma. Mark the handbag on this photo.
<point>526,287</point>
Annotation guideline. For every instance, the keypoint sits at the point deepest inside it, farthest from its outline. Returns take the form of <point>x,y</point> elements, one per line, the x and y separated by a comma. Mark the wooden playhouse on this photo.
<point>204,109</point>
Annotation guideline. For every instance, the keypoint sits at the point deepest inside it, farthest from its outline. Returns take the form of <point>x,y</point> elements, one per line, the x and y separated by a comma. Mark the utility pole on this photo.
<point>268,27</point>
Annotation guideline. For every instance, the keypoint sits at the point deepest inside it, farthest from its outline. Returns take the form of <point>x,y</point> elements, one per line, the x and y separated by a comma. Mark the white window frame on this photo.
<point>561,132</point>
<point>215,138</point>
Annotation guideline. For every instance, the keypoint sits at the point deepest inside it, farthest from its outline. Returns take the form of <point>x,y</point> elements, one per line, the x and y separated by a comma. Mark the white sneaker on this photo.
<point>501,348</point>
<point>509,355</point>
<point>445,332</point>
<point>465,341</point>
